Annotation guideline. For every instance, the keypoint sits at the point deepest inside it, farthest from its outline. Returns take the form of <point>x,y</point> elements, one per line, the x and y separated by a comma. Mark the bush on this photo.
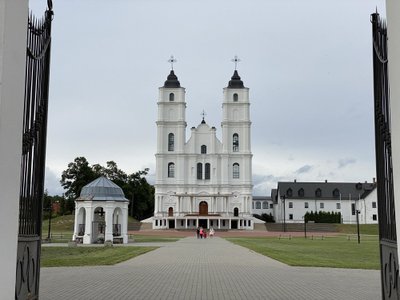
<point>323,217</point>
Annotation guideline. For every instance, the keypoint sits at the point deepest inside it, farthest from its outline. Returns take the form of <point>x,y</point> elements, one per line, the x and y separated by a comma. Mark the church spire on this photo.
<point>172,80</point>
<point>235,81</point>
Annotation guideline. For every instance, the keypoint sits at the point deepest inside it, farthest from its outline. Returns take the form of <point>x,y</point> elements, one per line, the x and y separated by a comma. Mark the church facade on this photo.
<point>203,181</point>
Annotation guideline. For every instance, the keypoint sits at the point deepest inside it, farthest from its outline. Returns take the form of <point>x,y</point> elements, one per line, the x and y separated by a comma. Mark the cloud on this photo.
<point>52,183</point>
<point>345,161</point>
<point>304,169</point>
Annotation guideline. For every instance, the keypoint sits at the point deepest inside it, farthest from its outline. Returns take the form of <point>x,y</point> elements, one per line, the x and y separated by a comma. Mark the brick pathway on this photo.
<point>206,269</point>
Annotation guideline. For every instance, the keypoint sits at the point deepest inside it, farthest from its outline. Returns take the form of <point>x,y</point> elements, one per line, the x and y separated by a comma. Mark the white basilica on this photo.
<point>203,181</point>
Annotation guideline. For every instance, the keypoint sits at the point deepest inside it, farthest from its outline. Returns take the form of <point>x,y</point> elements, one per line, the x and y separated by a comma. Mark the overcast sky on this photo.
<point>308,65</point>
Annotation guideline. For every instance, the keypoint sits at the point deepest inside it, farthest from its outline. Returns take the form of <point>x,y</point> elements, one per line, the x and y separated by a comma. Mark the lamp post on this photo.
<point>50,211</point>
<point>284,212</point>
<point>305,226</point>
<point>358,226</point>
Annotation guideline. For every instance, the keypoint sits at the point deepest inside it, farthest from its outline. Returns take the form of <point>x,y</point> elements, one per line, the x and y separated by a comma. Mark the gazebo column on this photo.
<point>87,238</point>
<point>77,207</point>
<point>124,225</point>
<point>109,224</point>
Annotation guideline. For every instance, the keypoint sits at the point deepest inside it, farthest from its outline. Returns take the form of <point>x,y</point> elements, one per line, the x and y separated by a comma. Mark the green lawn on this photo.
<point>335,252</point>
<point>372,229</point>
<point>142,238</point>
<point>88,256</point>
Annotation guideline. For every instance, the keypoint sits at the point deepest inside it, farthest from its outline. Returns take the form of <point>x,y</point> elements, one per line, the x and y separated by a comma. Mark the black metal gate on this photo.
<point>386,209</point>
<point>33,155</point>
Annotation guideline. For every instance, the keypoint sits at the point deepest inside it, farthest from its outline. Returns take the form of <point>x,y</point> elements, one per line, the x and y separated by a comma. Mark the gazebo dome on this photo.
<point>102,189</point>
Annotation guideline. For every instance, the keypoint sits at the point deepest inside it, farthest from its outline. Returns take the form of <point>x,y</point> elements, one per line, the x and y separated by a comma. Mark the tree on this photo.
<point>76,176</point>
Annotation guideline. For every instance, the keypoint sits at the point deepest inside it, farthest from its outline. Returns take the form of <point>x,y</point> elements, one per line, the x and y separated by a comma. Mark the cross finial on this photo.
<point>172,60</point>
<point>236,60</point>
<point>203,113</point>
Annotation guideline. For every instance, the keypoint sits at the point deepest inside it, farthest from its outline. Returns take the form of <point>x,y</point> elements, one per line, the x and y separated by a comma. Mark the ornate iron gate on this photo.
<point>386,209</point>
<point>33,155</point>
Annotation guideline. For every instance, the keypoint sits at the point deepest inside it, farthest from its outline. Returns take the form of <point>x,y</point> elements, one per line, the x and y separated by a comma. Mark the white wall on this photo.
<point>393,21</point>
<point>13,26</point>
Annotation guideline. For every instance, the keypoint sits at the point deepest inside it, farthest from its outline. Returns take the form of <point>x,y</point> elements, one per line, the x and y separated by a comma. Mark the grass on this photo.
<point>141,238</point>
<point>88,256</point>
<point>371,229</point>
<point>333,252</point>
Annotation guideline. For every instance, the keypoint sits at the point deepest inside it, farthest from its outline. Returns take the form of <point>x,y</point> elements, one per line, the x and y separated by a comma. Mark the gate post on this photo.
<point>13,24</point>
<point>393,25</point>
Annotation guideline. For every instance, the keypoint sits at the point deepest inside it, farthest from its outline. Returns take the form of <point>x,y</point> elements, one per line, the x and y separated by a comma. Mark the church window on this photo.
<point>252,205</point>
<point>171,142</point>
<point>301,192</point>
<point>335,193</point>
<point>235,97</point>
<point>265,205</point>
<point>338,205</point>
<point>318,193</point>
<point>258,205</point>
<point>353,209</point>
<point>290,204</point>
<point>171,97</point>
<point>235,142</point>
<point>171,170</point>
<point>207,171</point>
<point>289,192</point>
<point>374,204</point>
<point>199,171</point>
<point>156,222</point>
<point>236,171</point>
<point>374,217</point>
<point>203,149</point>
<point>321,205</point>
<point>236,212</point>
<point>305,204</point>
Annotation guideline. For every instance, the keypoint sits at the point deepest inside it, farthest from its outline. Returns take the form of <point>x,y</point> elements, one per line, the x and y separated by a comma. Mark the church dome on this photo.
<point>235,81</point>
<point>102,189</point>
<point>172,81</point>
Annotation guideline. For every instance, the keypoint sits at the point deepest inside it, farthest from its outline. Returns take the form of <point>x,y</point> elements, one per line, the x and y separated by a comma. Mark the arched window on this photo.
<point>258,205</point>
<point>203,149</point>
<point>170,212</point>
<point>199,171</point>
<point>289,192</point>
<point>236,171</point>
<point>335,193</point>
<point>265,205</point>
<point>207,171</point>
<point>300,192</point>
<point>235,97</point>
<point>171,142</point>
<point>171,97</point>
<point>318,192</point>
<point>171,170</point>
<point>235,142</point>
<point>236,212</point>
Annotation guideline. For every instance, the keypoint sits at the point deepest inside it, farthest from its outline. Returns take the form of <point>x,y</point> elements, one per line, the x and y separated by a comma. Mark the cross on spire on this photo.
<point>203,114</point>
<point>172,60</point>
<point>236,60</point>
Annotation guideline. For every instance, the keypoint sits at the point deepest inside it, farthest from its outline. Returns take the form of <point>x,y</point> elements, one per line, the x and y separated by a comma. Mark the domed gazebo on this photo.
<point>101,213</point>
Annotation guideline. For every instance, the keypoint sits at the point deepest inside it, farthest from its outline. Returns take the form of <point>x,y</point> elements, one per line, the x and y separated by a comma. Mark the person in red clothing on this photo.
<point>201,232</point>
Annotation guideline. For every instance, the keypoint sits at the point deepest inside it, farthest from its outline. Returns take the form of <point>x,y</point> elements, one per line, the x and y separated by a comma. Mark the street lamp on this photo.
<point>50,209</point>
<point>358,225</point>
<point>284,212</point>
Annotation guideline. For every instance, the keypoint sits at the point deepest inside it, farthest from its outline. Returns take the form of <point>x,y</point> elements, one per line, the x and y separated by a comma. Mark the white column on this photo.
<point>87,238</point>
<point>77,207</point>
<point>124,225</point>
<point>156,205</point>
<point>109,222</point>
<point>179,205</point>
<point>219,223</point>
<point>393,23</point>
<point>13,26</point>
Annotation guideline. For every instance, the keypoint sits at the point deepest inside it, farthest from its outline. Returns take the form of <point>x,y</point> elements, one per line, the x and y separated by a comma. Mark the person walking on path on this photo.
<point>198,232</point>
<point>201,232</point>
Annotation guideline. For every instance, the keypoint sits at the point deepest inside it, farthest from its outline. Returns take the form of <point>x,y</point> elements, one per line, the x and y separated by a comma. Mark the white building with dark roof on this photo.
<point>294,199</point>
<point>101,213</point>
<point>203,181</point>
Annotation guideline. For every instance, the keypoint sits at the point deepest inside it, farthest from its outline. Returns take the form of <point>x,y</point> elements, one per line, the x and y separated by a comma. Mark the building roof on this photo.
<point>172,81</point>
<point>325,190</point>
<point>235,82</point>
<point>102,189</point>
<point>261,198</point>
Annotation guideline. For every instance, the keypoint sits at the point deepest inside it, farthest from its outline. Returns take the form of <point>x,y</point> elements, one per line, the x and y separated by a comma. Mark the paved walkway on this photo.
<point>206,269</point>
